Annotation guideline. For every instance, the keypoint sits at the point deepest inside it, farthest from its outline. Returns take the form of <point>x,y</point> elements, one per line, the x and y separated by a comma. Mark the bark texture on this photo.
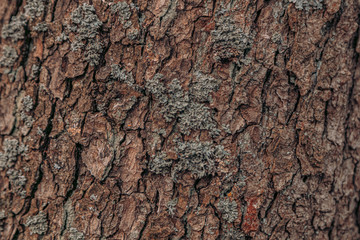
<point>179,119</point>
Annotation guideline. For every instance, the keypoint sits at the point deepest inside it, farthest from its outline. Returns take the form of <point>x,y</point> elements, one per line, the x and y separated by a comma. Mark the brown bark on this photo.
<point>269,106</point>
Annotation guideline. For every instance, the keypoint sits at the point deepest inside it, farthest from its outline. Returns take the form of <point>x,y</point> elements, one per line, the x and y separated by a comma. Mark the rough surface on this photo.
<point>9,57</point>
<point>86,26</point>
<point>15,29</point>
<point>34,8</point>
<point>37,224</point>
<point>198,157</point>
<point>307,4</point>
<point>11,150</point>
<point>228,210</point>
<point>179,119</point>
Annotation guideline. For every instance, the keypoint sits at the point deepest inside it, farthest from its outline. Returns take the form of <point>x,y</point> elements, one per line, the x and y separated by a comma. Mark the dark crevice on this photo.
<point>295,106</point>
<point>273,199</point>
<point>16,235</point>
<point>331,228</point>
<point>45,141</point>
<point>43,147</point>
<point>156,208</point>
<point>77,156</point>
<point>326,114</point>
<point>263,93</point>
<point>357,215</point>
<point>213,7</point>
<point>53,10</point>
<point>258,12</point>
<point>145,225</point>
<point>25,50</point>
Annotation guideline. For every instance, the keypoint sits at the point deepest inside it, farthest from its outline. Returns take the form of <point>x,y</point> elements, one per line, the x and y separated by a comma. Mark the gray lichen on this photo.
<point>40,132</point>
<point>15,30</point>
<point>133,34</point>
<point>62,37</point>
<point>198,157</point>
<point>28,120</point>
<point>228,39</point>
<point>226,128</point>
<point>93,197</point>
<point>86,25</point>
<point>203,86</point>
<point>186,106</point>
<point>9,57</point>
<point>93,52</point>
<point>2,220</point>
<point>85,22</point>
<point>121,74</point>
<point>122,9</point>
<point>35,71</point>
<point>171,206</point>
<point>27,103</point>
<point>68,221</point>
<point>34,8</point>
<point>2,214</point>
<point>177,100</point>
<point>157,88</point>
<point>197,116</point>
<point>11,149</point>
<point>160,164</point>
<point>276,38</point>
<point>228,209</point>
<point>232,234</point>
<point>308,4</point>
<point>41,27</point>
<point>37,224</point>
<point>26,107</point>
<point>74,234</point>
<point>17,181</point>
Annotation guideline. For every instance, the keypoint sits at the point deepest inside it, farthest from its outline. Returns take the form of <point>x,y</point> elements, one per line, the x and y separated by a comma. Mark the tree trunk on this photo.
<point>179,119</point>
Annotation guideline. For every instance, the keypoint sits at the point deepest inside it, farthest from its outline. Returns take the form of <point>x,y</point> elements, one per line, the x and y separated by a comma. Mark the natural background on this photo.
<point>179,119</point>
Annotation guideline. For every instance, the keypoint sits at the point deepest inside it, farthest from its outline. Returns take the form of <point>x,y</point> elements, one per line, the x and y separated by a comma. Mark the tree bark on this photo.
<point>180,119</point>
